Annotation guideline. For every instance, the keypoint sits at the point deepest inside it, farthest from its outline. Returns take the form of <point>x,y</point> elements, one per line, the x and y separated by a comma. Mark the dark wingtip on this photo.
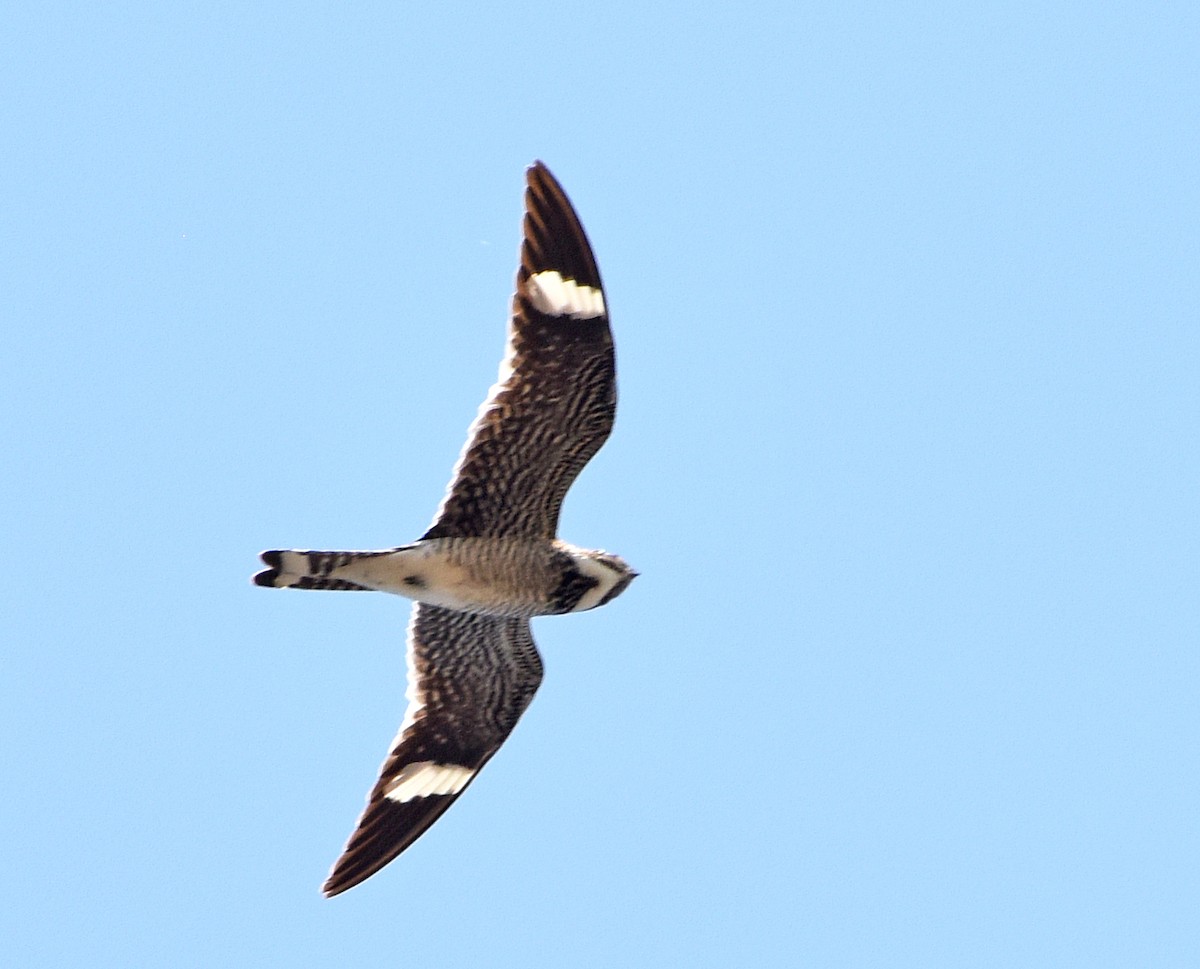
<point>539,178</point>
<point>553,237</point>
<point>268,576</point>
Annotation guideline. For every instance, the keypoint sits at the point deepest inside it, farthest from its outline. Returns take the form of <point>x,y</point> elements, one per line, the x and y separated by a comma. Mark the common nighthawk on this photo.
<point>491,559</point>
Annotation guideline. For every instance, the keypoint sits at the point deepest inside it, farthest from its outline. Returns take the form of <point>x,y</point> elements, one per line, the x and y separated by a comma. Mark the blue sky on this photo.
<point>905,305</point>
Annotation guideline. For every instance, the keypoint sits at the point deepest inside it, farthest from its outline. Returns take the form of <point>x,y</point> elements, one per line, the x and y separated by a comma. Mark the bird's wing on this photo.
<point>470,677</point>
<point>553,404</point>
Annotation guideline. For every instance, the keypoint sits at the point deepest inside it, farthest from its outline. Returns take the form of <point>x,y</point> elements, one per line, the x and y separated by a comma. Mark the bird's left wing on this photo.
<point>470,677</point>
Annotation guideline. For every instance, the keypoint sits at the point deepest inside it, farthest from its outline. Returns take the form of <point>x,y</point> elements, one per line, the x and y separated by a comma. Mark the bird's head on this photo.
<point>611,573</point>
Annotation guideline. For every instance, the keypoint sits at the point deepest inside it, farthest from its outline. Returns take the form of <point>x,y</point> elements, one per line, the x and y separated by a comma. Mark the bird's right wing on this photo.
<point>553,404</point>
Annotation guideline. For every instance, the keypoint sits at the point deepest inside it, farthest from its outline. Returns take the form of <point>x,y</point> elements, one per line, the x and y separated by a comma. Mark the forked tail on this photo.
<point>291,569</point>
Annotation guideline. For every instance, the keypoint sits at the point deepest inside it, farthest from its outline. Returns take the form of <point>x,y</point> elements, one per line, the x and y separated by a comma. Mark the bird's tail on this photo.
<point>292,569</point>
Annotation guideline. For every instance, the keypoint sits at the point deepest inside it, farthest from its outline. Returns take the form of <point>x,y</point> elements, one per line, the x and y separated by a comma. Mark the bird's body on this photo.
<point>491,559</point>
<point>517,577</point>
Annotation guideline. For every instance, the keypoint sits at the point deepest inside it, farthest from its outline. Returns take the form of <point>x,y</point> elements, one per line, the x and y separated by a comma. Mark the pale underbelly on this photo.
<point>470,576</point>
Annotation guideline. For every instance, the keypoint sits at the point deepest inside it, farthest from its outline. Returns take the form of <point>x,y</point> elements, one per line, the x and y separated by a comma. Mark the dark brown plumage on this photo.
<point>539,427</point>
<point>472,677</point>
<point>491,557</point>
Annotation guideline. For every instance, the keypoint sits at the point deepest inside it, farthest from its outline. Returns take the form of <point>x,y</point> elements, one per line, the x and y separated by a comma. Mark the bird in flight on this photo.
<point>491,559</point>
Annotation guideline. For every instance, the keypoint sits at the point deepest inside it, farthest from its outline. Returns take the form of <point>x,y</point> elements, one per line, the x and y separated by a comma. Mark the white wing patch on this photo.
<point>425,779</point>
<point>555,296</point>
